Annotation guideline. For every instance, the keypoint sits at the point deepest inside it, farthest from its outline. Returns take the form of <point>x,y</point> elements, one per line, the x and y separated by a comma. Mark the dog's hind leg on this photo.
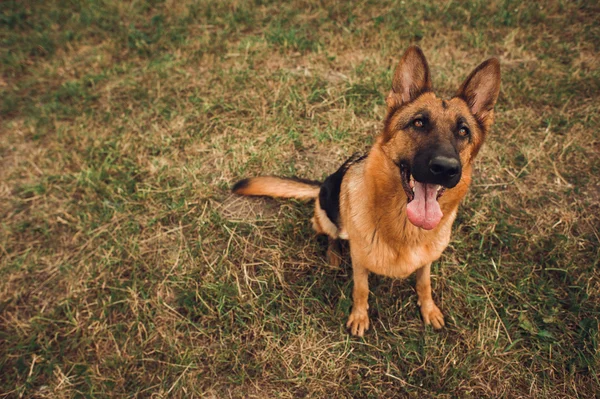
<point>334,252</point>
<point>322,224</point>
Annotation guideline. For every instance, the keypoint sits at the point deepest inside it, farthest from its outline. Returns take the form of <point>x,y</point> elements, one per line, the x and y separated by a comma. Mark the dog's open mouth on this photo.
<point>422,207</point>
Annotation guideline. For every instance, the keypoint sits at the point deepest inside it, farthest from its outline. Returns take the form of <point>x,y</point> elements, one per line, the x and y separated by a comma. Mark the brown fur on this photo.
<point>372,203</point>
<point>277,187</point>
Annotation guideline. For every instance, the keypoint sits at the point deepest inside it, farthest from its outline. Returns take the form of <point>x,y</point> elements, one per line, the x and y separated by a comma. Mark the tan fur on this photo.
<point>390,246</point>
<point>372,202</point>
<point>278,187</point>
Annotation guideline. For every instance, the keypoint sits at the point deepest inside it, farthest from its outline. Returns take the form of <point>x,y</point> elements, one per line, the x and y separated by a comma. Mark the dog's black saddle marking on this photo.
<point>329,196</point>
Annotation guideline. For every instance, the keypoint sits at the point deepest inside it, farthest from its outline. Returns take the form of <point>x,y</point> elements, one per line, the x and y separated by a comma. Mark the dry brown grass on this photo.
<point>128,269</point>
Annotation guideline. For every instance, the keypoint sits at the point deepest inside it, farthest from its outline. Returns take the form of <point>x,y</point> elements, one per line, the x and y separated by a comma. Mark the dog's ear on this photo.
<point>480,91</point>
<point>411,78</point>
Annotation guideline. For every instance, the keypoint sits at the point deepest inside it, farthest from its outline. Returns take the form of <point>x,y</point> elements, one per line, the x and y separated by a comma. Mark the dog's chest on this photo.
<point>400,258</point>
<point>401,262</point>
<point>415,257</point>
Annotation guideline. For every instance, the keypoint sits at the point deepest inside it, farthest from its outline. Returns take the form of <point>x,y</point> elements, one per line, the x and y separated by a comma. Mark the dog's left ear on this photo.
<point>480,91</point>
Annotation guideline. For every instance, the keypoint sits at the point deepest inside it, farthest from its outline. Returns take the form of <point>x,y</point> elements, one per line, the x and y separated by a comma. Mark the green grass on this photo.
<point>128,269</point>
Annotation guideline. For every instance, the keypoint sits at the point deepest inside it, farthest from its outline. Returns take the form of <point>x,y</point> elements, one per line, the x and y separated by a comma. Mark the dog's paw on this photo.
<point>358,322</point>
<point>432,315</point>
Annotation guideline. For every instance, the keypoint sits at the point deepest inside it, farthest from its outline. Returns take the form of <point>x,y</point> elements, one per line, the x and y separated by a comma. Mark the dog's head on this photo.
<point>431,140</point>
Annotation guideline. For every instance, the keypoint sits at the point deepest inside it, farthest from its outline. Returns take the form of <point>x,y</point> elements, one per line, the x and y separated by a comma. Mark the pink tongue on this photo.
<point>424,211</point>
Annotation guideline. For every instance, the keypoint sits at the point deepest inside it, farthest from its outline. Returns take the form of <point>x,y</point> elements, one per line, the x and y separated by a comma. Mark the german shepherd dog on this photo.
<point>397,204</point>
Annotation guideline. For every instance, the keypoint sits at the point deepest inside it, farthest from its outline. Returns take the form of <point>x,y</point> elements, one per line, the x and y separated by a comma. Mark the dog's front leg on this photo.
<point>430,312</point>
<point>358,322</point>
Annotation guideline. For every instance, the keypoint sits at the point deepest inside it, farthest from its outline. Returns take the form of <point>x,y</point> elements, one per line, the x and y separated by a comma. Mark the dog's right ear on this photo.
<point>411,78</point>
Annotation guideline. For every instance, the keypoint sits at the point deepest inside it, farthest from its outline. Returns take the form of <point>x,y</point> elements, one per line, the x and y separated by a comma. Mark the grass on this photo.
<point>128,269</point>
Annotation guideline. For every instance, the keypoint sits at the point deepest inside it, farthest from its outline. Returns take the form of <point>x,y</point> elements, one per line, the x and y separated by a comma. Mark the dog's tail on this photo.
<point>280,187</point>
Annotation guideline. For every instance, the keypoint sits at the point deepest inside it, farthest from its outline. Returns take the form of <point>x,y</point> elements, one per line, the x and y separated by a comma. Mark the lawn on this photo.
<point>128,269</point>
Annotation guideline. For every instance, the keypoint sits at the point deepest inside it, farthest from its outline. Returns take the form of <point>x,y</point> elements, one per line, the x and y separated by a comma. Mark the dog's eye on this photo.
<point>463,132</point>
<point>418,122</point>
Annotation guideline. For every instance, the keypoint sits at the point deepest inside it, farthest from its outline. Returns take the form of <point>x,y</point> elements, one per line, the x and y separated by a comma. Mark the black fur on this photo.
<point>387,128</point>
<point>240,185</point>
<point>479,121</point>
<point>329,196</point>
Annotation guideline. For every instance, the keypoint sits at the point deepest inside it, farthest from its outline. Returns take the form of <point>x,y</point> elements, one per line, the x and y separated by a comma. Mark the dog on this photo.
<point>396,205</point>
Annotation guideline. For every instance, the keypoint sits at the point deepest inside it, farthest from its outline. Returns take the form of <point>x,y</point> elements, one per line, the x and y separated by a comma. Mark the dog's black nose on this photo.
<point>444,167</point>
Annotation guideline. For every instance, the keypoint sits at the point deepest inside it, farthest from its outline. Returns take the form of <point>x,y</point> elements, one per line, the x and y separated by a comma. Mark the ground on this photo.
<point>128,269</point>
